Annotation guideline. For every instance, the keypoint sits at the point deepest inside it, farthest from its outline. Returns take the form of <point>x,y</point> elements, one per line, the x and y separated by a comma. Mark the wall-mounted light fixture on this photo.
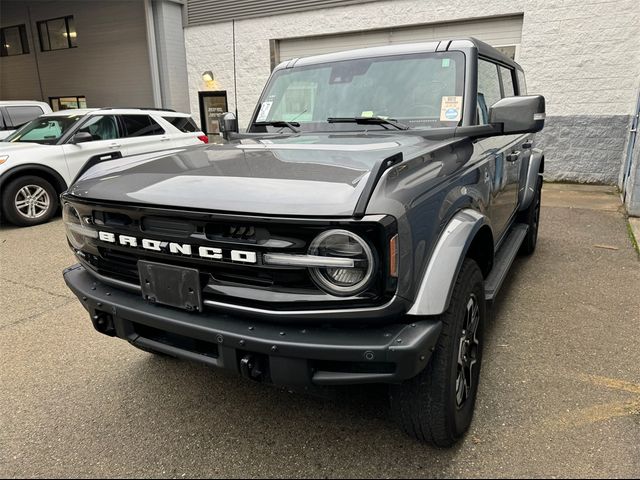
<point>208,76</point>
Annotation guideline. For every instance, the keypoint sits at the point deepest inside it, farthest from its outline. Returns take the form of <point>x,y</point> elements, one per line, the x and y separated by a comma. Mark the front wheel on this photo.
<point>437,405</point>
<point>29,200</point>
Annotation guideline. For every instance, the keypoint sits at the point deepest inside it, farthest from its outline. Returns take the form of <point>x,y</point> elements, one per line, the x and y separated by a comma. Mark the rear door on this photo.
<point>143,134</point>
<point>105,145</point>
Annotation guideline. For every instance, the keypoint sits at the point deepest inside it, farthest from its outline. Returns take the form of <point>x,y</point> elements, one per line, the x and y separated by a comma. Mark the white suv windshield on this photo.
<point>419,90</point>
<point>46,130</point>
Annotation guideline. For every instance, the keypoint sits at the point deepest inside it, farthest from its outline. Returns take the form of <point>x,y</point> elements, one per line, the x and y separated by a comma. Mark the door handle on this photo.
<point>114,146</point>
<point>528,144</point>
<point>513,156</point>
<point>164,139</point>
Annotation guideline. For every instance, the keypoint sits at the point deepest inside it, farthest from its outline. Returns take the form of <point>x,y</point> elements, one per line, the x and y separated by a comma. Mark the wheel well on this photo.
<point>481,250</point>
<point>55,180</point>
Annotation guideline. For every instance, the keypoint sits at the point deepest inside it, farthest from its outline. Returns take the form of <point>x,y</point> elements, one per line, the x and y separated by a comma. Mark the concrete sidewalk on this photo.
<point>560,391</point>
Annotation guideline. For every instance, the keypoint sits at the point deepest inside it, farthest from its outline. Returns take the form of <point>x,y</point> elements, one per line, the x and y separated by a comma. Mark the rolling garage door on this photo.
<point>503,32</point>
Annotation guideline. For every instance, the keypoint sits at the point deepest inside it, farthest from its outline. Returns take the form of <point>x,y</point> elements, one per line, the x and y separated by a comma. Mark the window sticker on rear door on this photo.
<point>264,111</point>
<point>451,109</point>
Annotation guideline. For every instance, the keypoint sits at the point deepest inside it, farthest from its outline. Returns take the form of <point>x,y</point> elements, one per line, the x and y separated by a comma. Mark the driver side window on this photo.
<point>101,127</point>
<point>488,89</point>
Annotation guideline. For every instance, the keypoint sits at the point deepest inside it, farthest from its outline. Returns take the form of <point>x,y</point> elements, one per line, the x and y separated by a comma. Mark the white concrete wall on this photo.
<point>583,55</point>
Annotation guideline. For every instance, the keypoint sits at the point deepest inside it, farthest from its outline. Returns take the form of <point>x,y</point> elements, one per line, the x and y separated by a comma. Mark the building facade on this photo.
<point>205,56</point>
<point>94,53</point>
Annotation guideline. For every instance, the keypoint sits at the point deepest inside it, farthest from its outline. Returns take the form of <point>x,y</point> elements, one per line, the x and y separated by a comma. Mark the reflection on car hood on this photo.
<point>315,175</point>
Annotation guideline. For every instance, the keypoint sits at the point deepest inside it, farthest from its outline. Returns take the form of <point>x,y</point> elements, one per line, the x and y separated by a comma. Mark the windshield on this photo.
<point>419,90</point>
<point>46,130</point>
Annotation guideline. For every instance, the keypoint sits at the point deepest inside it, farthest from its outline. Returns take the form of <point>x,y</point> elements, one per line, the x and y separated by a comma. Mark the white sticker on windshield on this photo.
<point>264,111</point>
<point>450,109</point>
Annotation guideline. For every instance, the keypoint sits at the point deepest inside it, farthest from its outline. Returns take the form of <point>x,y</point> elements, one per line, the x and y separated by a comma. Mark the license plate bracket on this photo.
<point>170,285</point>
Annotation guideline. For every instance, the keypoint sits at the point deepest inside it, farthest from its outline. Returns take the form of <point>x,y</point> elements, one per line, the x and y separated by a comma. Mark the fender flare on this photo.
<point>435,290</point>
<point>526,194</point>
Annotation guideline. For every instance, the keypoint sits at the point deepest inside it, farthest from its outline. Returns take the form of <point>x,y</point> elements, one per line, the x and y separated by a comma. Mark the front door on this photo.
<point>105,145</point>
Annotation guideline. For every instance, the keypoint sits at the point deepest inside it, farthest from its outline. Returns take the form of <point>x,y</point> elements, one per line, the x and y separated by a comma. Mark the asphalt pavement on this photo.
<point>559,393</point>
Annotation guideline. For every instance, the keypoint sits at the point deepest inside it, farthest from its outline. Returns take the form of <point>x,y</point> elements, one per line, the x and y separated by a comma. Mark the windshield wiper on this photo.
<point>369,120</point>
<point>280,123</point>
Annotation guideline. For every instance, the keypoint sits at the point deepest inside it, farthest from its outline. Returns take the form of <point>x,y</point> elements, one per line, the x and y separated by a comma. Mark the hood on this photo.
<point>306,175</point>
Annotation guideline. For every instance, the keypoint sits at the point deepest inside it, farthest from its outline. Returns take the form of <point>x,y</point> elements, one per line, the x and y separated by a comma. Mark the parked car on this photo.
<point>356,233</point>
<point>41,159</point>
<point>15,113</point>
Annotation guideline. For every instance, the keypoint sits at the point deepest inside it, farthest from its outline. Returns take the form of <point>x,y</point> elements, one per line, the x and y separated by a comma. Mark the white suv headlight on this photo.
<point>342,244</point>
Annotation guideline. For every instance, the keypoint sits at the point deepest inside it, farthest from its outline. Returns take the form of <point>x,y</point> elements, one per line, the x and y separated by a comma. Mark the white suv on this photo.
<point>41,159</point>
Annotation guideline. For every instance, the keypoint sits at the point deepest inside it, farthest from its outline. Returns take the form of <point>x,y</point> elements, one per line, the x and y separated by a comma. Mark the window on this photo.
<point>47,130</point>
<point>23,114</point>
<point>488,89</point>
<point>13,41</point>
<point>522,84</point>
<point>423,90</point>
<point>65,103</point>
<point>57,34</point>
<point>140,126</point>
<point>184,124</point>
<point>507,82</point>
<point>101,127</point>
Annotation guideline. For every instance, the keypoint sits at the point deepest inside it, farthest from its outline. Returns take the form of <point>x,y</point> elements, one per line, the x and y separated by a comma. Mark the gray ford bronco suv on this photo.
<point>355,233</point>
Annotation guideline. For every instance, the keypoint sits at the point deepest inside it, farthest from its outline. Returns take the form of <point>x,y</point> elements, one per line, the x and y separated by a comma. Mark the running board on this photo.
<point>503,260</point>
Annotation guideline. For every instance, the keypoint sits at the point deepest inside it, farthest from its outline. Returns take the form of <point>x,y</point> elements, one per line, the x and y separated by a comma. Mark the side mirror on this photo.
<point>524,114</point>
<point>228,125</point>
<point>81,137</point>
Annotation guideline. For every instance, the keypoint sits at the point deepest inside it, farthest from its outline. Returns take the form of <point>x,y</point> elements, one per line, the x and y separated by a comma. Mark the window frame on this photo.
<point>46,24</point>
<point>24,40</point>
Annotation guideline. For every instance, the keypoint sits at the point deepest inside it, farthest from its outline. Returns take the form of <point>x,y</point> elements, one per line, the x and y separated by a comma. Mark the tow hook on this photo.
<point>251,368</point>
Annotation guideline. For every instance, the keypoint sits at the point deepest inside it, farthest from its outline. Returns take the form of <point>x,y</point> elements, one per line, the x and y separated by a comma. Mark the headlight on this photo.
<point>76,231</point>
<point>342,281</point>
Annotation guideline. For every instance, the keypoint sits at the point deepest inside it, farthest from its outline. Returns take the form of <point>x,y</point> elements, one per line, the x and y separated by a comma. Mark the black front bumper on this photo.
<point>283,355</point>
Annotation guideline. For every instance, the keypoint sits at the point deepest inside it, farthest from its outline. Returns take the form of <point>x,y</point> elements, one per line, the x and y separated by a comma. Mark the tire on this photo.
<point>531,217</point>
<point>29,200</point>
<point>433,407</point>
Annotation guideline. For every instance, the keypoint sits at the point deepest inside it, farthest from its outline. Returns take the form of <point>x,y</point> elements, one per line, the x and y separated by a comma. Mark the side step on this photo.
<point>503,260</point>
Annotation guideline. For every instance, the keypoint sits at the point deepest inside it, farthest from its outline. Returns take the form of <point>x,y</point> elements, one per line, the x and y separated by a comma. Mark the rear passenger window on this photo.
<point>488,89</point>
<point>21,115</point>
<point>184,124</point>
<point>507,82</point>
<point>140,126</point>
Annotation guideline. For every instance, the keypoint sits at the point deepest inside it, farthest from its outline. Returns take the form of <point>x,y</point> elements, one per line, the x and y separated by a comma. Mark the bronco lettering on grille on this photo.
<point>178,248</point>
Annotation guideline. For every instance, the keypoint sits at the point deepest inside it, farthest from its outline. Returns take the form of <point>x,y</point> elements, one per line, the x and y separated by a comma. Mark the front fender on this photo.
<point>527,192</point>
<point>436,287</point>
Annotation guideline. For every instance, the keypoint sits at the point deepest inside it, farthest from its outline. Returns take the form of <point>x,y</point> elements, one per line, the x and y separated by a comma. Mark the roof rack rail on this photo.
<point>139,108</point>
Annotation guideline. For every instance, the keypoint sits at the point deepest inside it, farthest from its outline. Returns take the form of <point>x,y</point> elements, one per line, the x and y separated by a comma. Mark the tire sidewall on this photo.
<point>8,201</point>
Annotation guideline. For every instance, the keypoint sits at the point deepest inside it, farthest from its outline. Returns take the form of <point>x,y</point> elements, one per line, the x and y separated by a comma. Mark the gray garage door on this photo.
<point>503,32</point>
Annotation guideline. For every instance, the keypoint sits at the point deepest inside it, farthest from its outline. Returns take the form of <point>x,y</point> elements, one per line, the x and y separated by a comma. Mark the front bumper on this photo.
<point>280,354</point>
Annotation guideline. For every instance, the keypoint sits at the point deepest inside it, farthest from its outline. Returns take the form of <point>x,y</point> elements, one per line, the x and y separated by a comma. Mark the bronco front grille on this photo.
<point>223,280</point>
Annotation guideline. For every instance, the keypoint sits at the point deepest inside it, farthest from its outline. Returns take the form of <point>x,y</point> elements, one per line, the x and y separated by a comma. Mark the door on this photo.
<point>212,106</point>
<point>142,134</point>
<point>506,151</point>
<point>105,145</point>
